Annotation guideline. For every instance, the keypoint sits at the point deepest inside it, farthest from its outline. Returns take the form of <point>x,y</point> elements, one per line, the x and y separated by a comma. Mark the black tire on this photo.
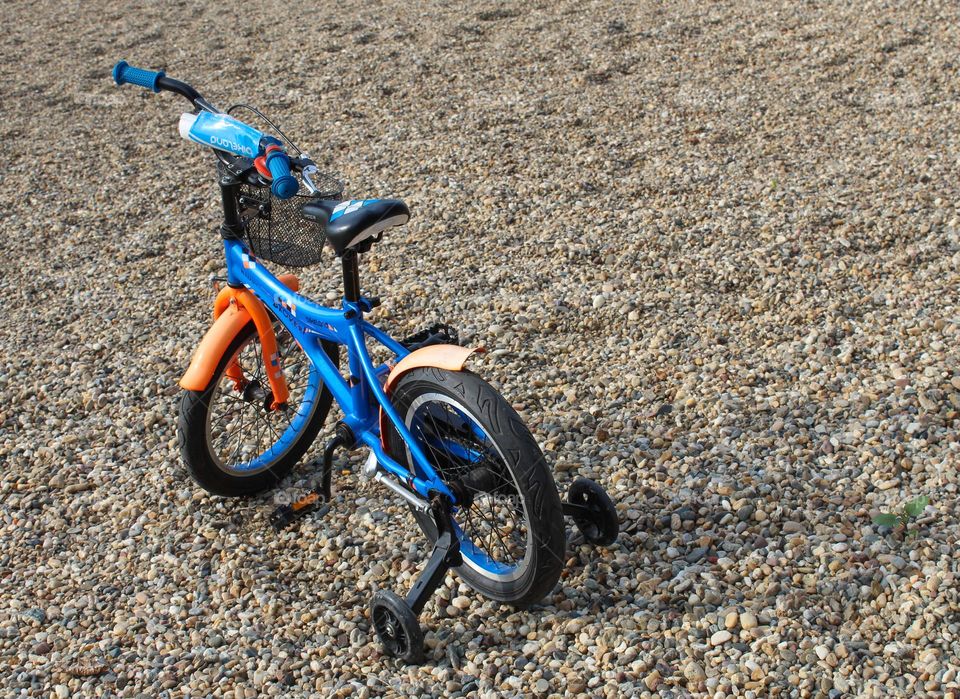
<point>195,410</point>
<point>602,526</point>
<point>397,627</point>
<point>508,450</point>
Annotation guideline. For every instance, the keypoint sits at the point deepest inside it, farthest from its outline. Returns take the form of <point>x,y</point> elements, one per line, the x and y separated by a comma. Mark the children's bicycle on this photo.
<point>262,381</point>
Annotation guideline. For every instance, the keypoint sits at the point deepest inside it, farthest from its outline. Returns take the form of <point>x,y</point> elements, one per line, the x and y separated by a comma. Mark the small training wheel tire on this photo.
<point>396,626</point>
<point>602,527</point>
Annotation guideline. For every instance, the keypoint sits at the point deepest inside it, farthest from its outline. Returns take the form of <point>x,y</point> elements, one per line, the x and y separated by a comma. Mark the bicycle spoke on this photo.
<point>496,530</point>
<point>496,527</point>
<point>484,537</point>
<point>239,439</point>
<point>225,416</point>
<point>276,434</point>
<point>260,423</point>
<point>241,426</point>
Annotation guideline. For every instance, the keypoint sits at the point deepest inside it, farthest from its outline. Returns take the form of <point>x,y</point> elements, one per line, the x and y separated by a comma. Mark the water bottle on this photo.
<point>222,132</point>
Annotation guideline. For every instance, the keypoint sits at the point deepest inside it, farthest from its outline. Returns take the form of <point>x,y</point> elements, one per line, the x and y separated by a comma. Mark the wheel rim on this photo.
<point>390,631</point>
<point>589,527</point>
<point>244,437</point>
<point>495,538</point>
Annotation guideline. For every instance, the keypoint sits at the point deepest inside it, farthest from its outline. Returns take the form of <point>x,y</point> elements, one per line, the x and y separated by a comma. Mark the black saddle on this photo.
<point>357,222</point>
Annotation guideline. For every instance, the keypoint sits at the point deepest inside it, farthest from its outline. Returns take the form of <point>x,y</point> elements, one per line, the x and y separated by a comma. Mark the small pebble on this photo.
<point>713,253</point>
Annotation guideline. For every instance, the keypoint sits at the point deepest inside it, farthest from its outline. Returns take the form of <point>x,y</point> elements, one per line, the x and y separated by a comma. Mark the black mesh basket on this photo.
<point>276,229</point>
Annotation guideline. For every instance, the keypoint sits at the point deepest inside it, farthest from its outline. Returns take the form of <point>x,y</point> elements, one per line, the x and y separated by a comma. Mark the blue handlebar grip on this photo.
<point>126,73</point>
<point>284,184</point>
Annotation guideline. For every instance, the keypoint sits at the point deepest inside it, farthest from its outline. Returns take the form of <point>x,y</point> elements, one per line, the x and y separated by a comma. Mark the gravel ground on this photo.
<point>714,250</point>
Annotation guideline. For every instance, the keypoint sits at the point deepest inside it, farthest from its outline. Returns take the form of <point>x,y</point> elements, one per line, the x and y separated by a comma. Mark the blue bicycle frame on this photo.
<point>520,489</point>
<point>360,399</point>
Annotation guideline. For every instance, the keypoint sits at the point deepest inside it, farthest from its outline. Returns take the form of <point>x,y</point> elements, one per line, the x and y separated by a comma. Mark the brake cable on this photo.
<point>269,121</point>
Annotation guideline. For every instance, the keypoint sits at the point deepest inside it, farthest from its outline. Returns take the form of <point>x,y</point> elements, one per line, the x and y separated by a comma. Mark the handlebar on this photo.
<point>217,130</point>
<point>284,184</point>
<point>123,72</point>
<point>157,80</point>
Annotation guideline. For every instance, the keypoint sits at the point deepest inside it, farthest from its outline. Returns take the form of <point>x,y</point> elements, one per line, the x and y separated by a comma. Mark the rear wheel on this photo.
<point>230,440</point>
<point>511,534</point>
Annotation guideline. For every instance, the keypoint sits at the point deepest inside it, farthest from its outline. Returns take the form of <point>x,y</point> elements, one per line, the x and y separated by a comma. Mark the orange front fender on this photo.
<point>212,348</point>
<point>232,310</point>
<point>449,357</point>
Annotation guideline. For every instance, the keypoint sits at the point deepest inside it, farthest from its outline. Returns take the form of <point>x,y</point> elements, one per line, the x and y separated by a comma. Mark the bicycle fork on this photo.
<point>232,309</point>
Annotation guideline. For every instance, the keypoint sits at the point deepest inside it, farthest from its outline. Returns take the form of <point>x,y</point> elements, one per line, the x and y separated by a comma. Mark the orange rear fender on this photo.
<point>449,357</point>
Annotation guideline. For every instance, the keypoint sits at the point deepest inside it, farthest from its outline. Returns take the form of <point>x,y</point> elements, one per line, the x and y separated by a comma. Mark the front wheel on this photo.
<point>511,534</point>
<point>230,440</point>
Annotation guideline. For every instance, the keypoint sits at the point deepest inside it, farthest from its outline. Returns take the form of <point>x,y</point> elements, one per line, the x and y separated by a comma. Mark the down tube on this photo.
<point>328,371</point>
<point>420,460</point>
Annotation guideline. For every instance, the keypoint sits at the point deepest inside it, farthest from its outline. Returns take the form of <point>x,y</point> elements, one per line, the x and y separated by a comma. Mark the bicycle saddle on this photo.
<point>350,223</point>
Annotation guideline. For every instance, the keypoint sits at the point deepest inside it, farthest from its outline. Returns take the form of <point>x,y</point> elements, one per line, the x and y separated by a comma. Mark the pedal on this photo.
<point>285,515</point>
<point>436,334</point>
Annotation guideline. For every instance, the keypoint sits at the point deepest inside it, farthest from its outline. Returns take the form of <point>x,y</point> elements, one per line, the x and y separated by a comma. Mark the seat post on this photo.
<point>351,275</point>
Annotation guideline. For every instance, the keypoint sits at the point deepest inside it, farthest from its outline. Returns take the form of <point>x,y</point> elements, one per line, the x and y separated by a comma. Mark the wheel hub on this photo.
<point>389,629</point>
<point>253,392</point>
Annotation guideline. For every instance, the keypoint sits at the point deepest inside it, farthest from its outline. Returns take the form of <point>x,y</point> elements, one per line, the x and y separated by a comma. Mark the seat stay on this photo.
<point>424,479</point>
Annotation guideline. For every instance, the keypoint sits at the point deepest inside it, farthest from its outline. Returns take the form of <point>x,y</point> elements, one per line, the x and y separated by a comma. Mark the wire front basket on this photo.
<point>276,229</point>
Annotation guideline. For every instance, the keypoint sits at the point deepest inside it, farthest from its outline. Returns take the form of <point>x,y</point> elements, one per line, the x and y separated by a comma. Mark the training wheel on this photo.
<point>396,626</point>
<point>599,525</point>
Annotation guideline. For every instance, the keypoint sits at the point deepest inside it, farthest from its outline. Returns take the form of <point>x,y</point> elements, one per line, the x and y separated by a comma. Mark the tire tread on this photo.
<point>513,437</point>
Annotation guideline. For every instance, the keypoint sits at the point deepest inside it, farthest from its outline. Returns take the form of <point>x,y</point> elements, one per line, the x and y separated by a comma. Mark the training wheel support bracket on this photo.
<point>445,555</point>
<point>395,619</point>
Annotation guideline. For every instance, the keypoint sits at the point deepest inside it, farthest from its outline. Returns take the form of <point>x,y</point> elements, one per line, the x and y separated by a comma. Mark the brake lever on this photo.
<point>307,168</point>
